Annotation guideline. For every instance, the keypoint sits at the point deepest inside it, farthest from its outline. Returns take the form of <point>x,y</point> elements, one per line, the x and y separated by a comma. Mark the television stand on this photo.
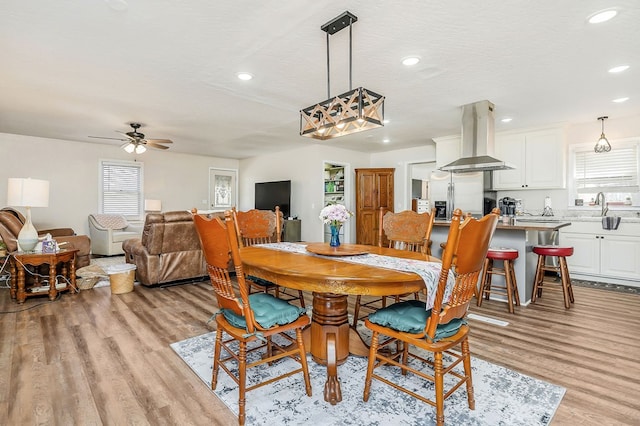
<point>292,231</point>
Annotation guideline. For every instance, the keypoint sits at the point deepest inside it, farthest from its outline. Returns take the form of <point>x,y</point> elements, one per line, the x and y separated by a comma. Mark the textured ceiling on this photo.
<point>71,69</point>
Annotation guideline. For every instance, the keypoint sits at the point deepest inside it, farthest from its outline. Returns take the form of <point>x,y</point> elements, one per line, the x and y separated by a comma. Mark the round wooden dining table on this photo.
<point>330,339</point>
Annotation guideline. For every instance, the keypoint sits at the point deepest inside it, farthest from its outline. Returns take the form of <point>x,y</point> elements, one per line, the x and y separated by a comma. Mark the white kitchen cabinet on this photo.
<point>586,252</point>
<point>538,157</point>
<point>604,255</point>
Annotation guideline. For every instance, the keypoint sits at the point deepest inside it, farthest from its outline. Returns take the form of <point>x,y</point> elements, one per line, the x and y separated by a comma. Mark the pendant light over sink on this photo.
<point>603,144</point>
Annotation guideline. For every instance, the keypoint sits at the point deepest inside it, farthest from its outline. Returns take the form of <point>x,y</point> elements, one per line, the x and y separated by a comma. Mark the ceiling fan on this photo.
<point>136,142</point>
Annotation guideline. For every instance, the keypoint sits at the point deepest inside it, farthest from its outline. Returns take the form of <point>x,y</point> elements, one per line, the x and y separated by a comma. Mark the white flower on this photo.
<point>335,214</point>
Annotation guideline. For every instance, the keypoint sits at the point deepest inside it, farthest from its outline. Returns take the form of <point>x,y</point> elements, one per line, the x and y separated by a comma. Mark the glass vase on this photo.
<point>335,236</point>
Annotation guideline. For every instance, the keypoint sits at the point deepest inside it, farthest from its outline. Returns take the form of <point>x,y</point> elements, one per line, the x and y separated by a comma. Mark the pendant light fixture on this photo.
<point>603,144</point>
<point>354,111</point>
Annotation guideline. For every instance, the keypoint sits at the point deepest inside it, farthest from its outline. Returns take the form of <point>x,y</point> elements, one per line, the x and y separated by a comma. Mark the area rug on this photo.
<point>503,396</point>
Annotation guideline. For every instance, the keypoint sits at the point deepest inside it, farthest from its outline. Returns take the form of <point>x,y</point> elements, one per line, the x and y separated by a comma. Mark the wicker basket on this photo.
<point>121,278</point>
<point>87,283</point>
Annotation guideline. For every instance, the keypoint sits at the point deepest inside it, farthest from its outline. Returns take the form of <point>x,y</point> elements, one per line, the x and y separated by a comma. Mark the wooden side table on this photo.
<point>20,260</point>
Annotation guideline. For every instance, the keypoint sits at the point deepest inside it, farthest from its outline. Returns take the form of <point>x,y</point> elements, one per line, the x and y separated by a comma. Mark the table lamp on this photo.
<point>27,192</point>
<point>152,205</point>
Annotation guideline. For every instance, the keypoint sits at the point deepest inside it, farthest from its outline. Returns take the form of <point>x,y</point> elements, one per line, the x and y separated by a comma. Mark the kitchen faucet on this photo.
<point>602,203</point>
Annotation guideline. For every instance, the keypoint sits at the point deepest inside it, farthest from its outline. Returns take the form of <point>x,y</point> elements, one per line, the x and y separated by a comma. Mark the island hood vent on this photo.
<point>477,141</point>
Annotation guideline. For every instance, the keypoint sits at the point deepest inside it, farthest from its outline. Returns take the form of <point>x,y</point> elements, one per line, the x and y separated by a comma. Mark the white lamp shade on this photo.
<point>27,192</point>
<point>153,205</point>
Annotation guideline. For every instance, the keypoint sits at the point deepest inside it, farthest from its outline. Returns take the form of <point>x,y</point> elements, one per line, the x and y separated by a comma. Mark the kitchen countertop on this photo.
<point>524,225</point>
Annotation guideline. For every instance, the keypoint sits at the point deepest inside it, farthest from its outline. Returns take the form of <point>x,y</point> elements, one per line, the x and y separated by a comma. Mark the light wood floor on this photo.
<point>97,359</point>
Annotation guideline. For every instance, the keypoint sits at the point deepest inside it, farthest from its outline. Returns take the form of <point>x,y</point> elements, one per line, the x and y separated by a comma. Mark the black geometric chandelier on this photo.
<point>357,110</point>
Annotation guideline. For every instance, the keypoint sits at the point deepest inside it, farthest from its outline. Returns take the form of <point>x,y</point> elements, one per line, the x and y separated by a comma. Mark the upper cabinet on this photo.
<point>538,157</point>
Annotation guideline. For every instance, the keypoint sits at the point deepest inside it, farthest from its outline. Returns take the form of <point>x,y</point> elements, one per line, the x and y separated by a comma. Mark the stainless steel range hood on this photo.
<point>477,141</point>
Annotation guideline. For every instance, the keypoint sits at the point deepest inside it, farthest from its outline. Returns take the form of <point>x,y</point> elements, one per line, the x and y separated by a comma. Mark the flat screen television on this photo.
<point>268,195</point>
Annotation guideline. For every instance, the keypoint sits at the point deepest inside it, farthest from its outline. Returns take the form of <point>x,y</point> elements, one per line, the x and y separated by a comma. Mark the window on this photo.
<point>614,173</point>
<point>121,188</point>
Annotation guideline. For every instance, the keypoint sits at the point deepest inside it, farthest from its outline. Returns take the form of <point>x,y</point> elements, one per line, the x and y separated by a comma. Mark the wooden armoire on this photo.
<point>374,189</point>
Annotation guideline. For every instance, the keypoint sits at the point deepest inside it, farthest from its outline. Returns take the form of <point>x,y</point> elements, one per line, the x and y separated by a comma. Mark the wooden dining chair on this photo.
<point>261,227</point>
<point>410,325</point>
<point>406,230</point>
<point>247,318</point>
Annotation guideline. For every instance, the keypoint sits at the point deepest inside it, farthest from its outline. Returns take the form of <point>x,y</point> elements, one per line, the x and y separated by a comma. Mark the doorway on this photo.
<point>419,175</point>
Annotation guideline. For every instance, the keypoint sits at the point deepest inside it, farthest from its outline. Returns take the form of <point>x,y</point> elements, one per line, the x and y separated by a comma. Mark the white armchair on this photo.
<point>108,231</point>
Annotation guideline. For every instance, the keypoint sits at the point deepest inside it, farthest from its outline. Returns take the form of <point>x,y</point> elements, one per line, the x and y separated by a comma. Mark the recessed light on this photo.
<point>244,76</point>
<point>602,16</point>
<point>386,140</point>
<point>619,68</point>
<point>410,60</point>
<point>620,100</point>
<point>386,121</point>
<point>506,119</point>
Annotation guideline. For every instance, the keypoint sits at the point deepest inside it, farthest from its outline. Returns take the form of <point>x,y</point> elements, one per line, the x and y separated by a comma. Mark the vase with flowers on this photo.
<point>335,215</point>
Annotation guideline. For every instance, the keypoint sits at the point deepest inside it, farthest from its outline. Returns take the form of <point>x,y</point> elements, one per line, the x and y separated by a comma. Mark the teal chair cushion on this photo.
<point>267,310</point>
<point>411,317</point>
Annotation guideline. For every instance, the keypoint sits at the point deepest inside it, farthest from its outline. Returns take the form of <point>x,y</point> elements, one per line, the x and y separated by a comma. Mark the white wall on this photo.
<point>180,181</point>
<point>304,167</point>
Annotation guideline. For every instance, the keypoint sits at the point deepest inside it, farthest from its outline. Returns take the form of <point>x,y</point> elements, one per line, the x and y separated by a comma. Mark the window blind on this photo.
<point>121,188</point>
<point>614,171</point>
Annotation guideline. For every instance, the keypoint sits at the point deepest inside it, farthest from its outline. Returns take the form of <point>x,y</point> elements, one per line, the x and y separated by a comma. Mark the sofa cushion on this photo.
<point>111,221</point>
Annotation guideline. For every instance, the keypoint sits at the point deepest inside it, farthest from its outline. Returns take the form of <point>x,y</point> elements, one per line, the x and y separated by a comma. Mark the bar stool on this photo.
<point>510,289</point>
<point>561,253</point>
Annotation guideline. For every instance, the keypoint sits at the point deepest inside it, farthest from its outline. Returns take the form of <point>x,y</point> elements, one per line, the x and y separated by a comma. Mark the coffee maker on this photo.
<point>507,206</point>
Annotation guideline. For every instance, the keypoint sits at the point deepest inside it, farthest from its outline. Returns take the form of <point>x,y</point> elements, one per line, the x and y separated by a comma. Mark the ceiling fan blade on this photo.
<point>101,137</point>
<point>159,140</point>
<point>154,145</point>
<point>125,135</point>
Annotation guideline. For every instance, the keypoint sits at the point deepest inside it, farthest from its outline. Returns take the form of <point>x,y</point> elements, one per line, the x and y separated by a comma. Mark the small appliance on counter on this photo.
<point>548,211</point>
<point>519,207</point>
<point>507,206</point>
<point>441,209</point>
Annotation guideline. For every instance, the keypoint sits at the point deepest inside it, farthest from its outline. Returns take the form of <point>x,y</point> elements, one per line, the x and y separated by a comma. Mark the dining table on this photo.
<point>332,274</point>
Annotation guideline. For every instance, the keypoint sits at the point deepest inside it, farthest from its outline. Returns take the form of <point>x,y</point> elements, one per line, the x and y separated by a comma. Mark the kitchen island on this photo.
<point>522,236</point>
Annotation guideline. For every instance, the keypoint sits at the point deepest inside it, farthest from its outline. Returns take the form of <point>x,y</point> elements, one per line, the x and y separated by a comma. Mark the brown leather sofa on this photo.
<point>11,224</point>
<point>169,249</point>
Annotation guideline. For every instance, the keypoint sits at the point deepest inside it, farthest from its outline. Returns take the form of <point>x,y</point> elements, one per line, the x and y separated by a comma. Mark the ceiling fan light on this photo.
<point>140,149</point>
<point>130,147</point>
